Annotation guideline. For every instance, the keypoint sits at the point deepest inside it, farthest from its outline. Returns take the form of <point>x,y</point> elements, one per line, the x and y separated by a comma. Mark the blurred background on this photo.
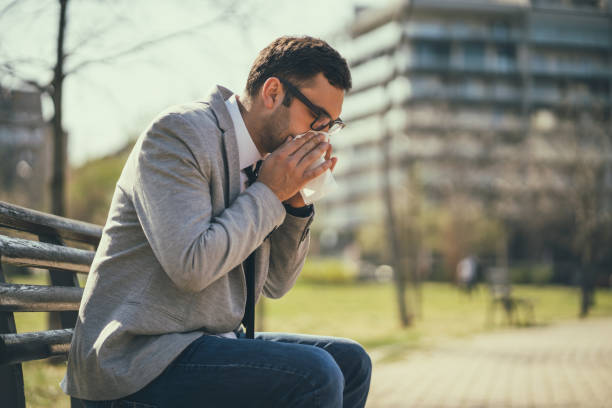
<point>468,244</point>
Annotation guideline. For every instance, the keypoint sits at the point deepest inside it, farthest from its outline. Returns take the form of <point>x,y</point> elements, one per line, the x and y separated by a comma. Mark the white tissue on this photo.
<point>320,185</point>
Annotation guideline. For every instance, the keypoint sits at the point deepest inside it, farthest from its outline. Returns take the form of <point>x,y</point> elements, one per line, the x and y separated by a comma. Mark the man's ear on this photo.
<point>272,93</point>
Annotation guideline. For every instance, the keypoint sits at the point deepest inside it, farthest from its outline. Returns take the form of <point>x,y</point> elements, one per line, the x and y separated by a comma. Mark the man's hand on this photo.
<point>297,200</point>
<point>328,156</point>
<point>286,170</point>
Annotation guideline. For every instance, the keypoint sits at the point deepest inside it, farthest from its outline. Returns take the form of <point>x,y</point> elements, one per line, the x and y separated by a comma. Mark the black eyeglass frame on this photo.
<point>316,110</point>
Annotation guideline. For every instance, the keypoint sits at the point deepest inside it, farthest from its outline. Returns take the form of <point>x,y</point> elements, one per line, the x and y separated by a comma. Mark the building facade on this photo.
<point>24,149</point>
<point>481,97</point>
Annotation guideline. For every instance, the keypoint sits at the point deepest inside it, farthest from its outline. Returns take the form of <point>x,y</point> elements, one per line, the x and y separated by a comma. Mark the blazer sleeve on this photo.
<point>172,199</point>
<point>288,250</point>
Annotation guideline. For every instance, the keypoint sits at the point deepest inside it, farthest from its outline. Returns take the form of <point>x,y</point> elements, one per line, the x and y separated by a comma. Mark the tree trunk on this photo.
<point>405,313</point>
<point>58,182</point>
<point>587,286</point>
<point>587,282</point>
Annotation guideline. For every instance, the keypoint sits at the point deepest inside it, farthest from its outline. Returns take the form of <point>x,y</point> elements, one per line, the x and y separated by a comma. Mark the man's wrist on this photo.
<point>303,212</point>
<point>296,201</point>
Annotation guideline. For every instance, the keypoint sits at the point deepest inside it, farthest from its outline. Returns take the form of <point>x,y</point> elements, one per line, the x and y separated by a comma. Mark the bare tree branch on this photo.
<point>88,39</point>
<point>7,7</point>
<point>146,44</point>
<point>9,70</point>
<point>244,24</point>
<point>31,61</point>
<point>118,16</point>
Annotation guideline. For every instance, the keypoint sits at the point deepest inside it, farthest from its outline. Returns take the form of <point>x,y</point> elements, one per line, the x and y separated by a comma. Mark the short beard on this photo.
<point>274,129</point>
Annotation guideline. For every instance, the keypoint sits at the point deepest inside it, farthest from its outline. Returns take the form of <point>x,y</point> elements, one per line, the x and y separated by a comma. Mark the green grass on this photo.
<point>368,312</point>
<point>364,312</point>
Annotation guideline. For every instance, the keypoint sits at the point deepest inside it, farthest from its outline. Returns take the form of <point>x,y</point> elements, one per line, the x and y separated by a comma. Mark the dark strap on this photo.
<point>252,173</point>
<point>249,312</point>
<point>249,270</point>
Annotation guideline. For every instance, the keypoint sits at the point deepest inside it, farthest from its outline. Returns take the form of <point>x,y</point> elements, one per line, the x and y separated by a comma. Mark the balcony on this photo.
<point>461,31</point>
<point>562,36</point>
<point>490,66</point>
<point>580,69</point>
<point>379,42</point>
<point>568,100</point>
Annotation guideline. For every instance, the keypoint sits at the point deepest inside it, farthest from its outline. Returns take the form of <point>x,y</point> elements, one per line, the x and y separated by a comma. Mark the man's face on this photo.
<point>297,118</point>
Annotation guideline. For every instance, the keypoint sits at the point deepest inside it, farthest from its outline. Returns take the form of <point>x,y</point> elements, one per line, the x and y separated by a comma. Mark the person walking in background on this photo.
<point>466,273</point>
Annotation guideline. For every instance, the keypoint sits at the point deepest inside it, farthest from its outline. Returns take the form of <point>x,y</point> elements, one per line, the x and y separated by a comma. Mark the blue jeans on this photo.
<point>273,370</point>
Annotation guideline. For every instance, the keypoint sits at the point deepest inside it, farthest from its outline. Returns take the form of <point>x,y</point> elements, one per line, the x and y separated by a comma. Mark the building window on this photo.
<point>500,30</point>
<point>474,55</point>
<point>432,55</point>
<point>505,58</point>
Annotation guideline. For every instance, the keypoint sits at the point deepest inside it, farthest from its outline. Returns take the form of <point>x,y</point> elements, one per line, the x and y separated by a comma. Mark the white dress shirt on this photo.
<point>248,154</point>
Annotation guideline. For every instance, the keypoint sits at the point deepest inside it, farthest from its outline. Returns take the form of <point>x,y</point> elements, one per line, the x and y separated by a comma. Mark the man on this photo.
<point>159,323</point>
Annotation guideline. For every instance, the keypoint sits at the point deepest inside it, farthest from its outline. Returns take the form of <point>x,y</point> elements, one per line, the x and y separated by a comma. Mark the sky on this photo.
<point>107,103</point>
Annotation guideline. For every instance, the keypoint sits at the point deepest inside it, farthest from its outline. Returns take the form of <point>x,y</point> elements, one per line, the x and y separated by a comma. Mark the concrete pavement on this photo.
<point>565,365</point>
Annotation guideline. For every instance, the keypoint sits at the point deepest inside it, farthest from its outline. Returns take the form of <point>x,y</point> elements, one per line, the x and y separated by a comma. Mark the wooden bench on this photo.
<point>64,247</point>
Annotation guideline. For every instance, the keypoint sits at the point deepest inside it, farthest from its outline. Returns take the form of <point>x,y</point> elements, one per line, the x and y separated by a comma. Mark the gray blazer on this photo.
<point>168,267</point>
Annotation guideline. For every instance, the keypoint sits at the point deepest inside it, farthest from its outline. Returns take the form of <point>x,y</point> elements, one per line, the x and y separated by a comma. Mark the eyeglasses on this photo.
<point>322,118</point>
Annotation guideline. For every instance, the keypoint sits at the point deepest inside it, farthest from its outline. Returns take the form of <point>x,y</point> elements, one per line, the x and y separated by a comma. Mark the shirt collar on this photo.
<point>247,151</point>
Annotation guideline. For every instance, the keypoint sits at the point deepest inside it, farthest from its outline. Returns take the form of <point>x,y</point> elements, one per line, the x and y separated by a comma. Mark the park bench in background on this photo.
<point>518,310</point>
<point>64,247</point>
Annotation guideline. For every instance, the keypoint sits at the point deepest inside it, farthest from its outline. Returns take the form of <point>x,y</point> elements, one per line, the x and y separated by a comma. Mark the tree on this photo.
<point>582,145</point>
<point>589,201</point>
<point>400,270</point>
<point>67,63</point>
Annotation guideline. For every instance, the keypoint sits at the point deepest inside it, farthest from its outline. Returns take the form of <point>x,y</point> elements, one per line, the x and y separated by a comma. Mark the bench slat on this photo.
<point>35,298</point>
<point>17,348</point>
<point>39,223</point>
<point>23,252</point>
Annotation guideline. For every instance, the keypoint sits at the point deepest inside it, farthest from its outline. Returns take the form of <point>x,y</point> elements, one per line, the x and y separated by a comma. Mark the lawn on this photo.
<point>365,312</point>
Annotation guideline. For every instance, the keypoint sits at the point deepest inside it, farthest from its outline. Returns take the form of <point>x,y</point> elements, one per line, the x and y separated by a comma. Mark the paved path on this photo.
<point>567,365</point>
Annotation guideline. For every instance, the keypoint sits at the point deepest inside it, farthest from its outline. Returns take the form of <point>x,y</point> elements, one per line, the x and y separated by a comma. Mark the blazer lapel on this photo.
<point>230,144</point>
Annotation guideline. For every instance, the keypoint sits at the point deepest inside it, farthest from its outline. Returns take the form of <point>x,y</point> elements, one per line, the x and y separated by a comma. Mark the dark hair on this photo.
<point>298,59</point>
